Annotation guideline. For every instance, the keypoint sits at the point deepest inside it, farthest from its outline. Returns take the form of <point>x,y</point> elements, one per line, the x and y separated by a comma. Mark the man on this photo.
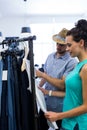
<point>57,66</point>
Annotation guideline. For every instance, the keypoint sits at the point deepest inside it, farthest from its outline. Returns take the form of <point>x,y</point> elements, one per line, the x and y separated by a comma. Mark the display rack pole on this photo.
<point>32,73</point>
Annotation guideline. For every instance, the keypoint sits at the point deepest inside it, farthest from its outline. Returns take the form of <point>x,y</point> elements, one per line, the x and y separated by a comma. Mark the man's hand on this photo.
<point>39,73</point>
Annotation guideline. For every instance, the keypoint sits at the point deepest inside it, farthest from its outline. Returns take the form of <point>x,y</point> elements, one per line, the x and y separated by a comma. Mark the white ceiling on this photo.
<point>43,7</point>
<point>15,14</point>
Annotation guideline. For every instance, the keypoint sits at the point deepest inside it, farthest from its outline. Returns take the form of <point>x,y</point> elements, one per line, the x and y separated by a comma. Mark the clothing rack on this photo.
<point>31,55</point>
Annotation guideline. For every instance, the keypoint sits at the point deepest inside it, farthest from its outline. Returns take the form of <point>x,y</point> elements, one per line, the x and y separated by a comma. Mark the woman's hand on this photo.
<point>44,91</point>
<point>51,116</point>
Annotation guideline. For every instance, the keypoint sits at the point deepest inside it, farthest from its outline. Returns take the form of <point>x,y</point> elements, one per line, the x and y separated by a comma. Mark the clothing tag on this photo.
<point>4,75</point>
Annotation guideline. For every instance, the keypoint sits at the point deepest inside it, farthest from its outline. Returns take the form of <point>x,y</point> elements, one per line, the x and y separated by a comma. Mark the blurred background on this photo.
<point>44,17</point>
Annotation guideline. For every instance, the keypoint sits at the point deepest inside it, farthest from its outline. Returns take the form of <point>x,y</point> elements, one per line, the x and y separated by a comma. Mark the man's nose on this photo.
<point>67,48</point>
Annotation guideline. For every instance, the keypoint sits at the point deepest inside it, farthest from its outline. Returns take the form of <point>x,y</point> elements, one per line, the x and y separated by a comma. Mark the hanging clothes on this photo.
<point>1,65</point>
<point>17,108</point>
<point>16,99</point>
<point>4,116</point>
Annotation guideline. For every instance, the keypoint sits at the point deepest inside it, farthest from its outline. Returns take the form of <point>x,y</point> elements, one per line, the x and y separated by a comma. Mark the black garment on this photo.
<point>4,116</point>
<point>27,114</point>
<point>59,124</point>
<point>26,103</point>
<point>43,122</point>
<point>16,92</point>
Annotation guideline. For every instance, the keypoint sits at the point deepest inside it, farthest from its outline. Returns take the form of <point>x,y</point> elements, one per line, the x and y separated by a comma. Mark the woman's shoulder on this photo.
<point>83,71</point>
<point>84,68</point>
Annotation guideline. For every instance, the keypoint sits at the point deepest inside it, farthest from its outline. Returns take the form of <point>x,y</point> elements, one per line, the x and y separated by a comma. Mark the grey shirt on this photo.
<point>57,67</point>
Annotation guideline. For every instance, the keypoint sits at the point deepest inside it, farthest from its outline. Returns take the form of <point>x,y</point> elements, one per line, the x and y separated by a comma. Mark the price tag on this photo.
<point>4,75</point>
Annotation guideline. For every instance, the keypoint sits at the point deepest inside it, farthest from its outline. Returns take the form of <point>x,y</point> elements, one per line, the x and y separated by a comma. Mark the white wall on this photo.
<point>43,45</point>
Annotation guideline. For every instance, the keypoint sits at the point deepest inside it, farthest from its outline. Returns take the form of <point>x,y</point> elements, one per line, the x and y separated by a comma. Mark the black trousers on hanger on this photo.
<point>4,117</point>
<point>43,122</point>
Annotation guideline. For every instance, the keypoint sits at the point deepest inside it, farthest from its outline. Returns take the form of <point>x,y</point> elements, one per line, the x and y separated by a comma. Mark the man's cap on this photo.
<point>60,37</point>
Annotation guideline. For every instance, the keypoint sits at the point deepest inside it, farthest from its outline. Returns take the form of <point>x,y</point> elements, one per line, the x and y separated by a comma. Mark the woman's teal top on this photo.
<point>74,99</point>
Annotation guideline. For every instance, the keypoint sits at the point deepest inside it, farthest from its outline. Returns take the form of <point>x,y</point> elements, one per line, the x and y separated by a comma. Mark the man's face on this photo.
<point>61,48</point>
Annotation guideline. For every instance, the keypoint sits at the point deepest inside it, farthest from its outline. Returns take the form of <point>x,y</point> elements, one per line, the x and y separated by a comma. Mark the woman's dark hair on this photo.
<point>79,31</point>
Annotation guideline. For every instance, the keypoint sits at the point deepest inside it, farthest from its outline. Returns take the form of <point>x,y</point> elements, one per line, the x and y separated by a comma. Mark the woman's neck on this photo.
<point>83,56</point>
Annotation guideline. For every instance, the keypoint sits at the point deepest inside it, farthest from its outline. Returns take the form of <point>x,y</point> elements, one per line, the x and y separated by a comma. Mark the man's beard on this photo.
<point>61,52</point>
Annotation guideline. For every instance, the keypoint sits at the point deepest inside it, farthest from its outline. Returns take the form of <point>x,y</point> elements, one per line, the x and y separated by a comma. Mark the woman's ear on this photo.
<point>81,42</point>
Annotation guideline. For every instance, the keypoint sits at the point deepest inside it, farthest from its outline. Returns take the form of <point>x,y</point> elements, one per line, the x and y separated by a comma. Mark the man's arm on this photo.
<point>60,83</point>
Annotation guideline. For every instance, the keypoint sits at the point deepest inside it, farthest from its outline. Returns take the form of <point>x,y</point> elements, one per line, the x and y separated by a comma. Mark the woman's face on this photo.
<point>72,47</point>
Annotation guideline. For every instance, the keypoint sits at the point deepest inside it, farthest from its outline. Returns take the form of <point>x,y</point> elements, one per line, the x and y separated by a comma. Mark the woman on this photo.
<point>75,102</point>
